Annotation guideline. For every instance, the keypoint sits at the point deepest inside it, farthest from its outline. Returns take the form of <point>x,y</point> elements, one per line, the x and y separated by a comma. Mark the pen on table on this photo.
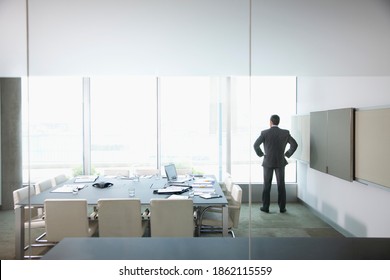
<point>151,185</point>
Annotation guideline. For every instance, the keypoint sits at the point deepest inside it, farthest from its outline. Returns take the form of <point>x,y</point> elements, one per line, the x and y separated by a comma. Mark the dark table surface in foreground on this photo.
<point>209,248</point>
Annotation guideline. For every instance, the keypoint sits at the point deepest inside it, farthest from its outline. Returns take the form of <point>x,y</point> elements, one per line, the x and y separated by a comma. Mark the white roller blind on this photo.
<point>196,37</point>
<point>13,55</point>
<point>154,37</point>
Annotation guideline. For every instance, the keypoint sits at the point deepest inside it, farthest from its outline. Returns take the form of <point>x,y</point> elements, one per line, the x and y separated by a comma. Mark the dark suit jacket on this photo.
<point>275,141</point>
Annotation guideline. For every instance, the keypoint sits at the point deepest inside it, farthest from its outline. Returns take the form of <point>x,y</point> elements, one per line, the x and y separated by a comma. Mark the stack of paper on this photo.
<point>199,191</point>
<point>203,183</point>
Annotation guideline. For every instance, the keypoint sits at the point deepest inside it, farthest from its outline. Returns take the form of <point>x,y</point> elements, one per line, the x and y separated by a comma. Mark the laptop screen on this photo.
<point>170,171</point>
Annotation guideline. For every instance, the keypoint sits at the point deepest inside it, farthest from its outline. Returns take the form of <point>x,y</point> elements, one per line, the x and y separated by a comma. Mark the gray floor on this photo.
<point>298,221</point>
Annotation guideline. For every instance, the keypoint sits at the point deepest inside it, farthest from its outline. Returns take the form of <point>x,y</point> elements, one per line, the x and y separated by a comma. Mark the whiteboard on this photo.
<point>372,140</point>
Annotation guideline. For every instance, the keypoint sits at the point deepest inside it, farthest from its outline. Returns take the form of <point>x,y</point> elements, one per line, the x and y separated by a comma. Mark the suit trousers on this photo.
<point>268,174</point>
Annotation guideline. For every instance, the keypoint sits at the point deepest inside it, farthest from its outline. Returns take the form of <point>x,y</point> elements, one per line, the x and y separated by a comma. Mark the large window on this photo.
<point>202,124</point>
<point>189,123</point>
<point>253,101</point>
<point>52,127</point>
<point>123,123</point>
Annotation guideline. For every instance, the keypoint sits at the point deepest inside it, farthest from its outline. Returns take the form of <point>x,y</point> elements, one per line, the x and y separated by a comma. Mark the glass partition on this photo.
<point>164,92</point>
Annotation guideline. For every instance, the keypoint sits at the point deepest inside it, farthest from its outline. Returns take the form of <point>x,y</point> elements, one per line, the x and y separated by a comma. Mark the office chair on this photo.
<point>210,220</point>
<point>171,217</point>
<point>119,217</point>
<point>68,218</point>
<point>227,178</point>
<point>36,221</point>
<point>43,185</point>
<point>227,186</point>
<point>59,179</point>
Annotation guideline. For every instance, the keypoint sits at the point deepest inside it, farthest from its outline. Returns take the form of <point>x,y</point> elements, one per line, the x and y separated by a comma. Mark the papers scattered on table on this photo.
<point>172,190</point>
<point>68,188</point>
<point>203,183</point>
<point>85,179</point>
<point>199,191</point>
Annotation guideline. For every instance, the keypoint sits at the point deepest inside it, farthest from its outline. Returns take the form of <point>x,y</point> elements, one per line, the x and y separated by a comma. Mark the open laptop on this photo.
<point>170,171</point>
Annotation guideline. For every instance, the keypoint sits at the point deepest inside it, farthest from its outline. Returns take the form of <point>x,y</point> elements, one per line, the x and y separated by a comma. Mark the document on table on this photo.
<point>85,179</point>
<point>68,188</point>
<point>171,190</point>
<point>199,191</point>
<point>210,195</point>
<point>203,183</point>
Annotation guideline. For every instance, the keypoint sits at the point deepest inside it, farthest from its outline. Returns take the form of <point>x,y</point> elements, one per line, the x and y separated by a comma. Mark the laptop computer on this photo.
<point>170,171</point>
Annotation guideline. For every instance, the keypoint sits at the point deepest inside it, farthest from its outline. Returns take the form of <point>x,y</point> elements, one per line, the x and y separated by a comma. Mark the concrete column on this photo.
<point>11,176</point>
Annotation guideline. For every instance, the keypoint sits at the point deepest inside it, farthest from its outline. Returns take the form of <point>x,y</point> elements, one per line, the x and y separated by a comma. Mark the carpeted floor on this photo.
<point>298,221</point>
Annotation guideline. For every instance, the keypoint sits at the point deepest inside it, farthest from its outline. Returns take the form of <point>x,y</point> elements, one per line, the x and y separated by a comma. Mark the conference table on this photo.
<point>146,188</point>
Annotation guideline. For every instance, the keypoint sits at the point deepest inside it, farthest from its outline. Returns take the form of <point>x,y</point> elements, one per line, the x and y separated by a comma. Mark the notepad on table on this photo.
<point>85,179</point>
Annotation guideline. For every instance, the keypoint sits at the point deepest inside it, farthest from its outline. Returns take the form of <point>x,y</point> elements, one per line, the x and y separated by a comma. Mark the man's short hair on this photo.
<point>275,119</point>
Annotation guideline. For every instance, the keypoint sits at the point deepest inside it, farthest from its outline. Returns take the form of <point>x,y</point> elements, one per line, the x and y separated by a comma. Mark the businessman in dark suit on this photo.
<point>275,141</point>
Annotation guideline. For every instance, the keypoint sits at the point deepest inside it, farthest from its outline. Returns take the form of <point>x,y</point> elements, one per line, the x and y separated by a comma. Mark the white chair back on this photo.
<point>120,218</point>
<point>43,185</point>
<point>234,212</point>
<point>67,218</point>
<point>171,218</point>
<point>59,179</point>
<point>22,194</point>
<point>229,184</point>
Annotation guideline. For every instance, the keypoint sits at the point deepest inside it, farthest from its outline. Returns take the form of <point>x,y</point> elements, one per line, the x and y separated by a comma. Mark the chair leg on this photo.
<point>33,246</point>
<point>39,238</point>
<point>40,243</point>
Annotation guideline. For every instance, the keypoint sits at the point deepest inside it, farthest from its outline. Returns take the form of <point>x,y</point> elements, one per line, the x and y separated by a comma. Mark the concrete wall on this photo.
<point>11,140</point>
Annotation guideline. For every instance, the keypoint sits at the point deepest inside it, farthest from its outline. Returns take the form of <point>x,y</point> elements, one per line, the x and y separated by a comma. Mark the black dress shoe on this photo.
<point>283,210</point>
<point>264,210</point>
